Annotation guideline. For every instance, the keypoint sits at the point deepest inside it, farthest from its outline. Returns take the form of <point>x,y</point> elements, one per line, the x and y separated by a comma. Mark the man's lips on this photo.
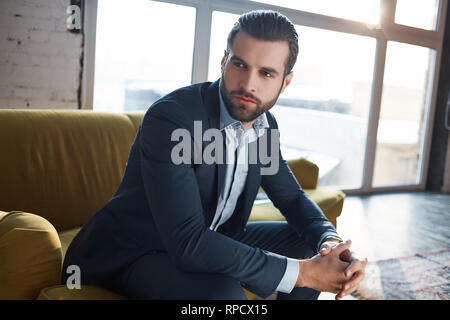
<point>244,100</point>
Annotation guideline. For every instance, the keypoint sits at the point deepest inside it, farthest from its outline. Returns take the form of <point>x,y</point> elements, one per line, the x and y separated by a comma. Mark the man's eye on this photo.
<point>267,74</point>
<point>239,65</point>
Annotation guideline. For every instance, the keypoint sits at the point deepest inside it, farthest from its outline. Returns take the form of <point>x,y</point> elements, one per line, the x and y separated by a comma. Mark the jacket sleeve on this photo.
<point>174,199</point>
<point>300,211</point>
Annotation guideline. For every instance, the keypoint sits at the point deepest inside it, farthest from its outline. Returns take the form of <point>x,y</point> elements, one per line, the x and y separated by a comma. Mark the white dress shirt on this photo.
<point>237,140</point>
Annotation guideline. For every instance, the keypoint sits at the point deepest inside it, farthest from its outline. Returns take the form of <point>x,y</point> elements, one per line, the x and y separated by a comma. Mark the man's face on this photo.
<point>253,76</point>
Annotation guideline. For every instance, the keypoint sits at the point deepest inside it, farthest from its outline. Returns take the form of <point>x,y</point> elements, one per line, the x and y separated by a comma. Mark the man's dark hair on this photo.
<point>267,25</point>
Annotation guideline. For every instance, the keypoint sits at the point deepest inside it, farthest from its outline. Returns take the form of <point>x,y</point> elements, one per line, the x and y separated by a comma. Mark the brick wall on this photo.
<point>39,60</point>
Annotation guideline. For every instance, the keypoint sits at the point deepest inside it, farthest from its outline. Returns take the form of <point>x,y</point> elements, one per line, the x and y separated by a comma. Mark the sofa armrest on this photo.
<point>30,255</point>
<point>61,292</point>
<point>305,171</point>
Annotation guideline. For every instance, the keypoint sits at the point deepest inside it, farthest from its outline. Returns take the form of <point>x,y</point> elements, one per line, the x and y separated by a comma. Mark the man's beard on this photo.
<point>233,109</point>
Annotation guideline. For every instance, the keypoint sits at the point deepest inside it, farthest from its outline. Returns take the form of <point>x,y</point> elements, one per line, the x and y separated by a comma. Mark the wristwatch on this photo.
<point>337,239</point>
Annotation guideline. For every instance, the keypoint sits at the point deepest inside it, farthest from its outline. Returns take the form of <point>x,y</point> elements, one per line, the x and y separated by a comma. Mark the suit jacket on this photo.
<point>163,207</point>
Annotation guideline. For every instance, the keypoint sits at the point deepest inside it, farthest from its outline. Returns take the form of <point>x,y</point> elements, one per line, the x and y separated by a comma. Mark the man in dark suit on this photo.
<point>179,229</point>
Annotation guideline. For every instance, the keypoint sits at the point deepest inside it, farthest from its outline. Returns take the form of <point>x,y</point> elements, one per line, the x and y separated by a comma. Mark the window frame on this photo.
<point>386,30</point>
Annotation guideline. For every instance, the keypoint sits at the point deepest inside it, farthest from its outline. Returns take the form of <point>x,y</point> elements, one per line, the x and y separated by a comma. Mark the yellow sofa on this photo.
<point>58,167</point>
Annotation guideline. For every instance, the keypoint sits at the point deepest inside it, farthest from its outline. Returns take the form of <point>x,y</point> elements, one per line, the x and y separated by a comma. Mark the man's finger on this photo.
<point>355,266</point>
<point>325,249</point>
<point>355,279</point>
<point>353,284</point>
<point>342,247</point>
<point>348,291</point>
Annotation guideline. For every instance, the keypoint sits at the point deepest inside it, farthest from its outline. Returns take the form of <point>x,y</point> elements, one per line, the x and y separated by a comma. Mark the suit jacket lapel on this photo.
<point>253,176</point>
<point>213,110</point>
<point>212,105</point>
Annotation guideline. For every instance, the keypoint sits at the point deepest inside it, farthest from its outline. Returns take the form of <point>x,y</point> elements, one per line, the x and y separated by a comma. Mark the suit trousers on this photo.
<point>154,276</point>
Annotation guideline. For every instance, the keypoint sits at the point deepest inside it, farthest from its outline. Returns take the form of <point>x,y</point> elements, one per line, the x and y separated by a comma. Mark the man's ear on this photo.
<point>224,58</point>
<point>287,80</point>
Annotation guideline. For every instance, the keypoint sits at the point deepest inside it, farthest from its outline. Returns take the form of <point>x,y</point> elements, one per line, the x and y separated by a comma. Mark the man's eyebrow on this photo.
<point>268,69</point>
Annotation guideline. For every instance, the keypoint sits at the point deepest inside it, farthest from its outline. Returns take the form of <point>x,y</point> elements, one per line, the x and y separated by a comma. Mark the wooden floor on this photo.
<point>394,225</point>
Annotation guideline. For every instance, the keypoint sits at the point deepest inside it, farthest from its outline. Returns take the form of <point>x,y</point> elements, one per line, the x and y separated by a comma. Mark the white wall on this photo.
<point>39,59</point>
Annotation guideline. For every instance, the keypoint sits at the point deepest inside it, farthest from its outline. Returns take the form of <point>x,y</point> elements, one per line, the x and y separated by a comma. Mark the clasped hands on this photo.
<point>335,269</point>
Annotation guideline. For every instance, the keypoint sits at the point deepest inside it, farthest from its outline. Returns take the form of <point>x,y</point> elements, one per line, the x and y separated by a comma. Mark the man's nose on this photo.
<point>249,82</point>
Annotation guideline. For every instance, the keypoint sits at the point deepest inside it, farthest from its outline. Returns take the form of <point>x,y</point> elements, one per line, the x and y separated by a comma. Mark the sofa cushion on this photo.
<point>66,238</point>
<point>305,171</point>
<point>30,255</point>
<point>87,292</point>
<point>61,292</point>
<point>136,118</point>
<point>328,200</point>
<point>63,165</point>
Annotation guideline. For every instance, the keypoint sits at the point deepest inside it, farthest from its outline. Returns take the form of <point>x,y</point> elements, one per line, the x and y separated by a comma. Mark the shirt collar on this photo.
<point>226,120</point>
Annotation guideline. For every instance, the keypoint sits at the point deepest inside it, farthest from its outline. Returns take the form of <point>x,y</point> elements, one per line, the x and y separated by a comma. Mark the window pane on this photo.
<point>367,11</point>
<point>417,13</point>
<point>400,128</point>
<point>221,25</point>
<point>140,54</point>
<point>323,114</point>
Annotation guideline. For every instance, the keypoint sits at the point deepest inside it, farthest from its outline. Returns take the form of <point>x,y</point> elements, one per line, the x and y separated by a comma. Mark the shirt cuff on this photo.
<point>290,276</point>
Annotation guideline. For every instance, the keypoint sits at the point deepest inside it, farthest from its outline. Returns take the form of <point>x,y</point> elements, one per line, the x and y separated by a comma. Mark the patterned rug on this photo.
<point>423,276</point>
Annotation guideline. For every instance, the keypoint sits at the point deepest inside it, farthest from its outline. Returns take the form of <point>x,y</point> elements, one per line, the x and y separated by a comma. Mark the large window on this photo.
<point>363,91</point>
<point>325,109</point>
<point>417,13</point>
<point>329,93</point>
<point>401,125</point>
<point>140,54</point>
<point>367,11</point>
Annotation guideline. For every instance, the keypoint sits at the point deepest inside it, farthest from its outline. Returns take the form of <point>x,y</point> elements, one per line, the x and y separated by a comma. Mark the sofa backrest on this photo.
<point>63,165</point>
